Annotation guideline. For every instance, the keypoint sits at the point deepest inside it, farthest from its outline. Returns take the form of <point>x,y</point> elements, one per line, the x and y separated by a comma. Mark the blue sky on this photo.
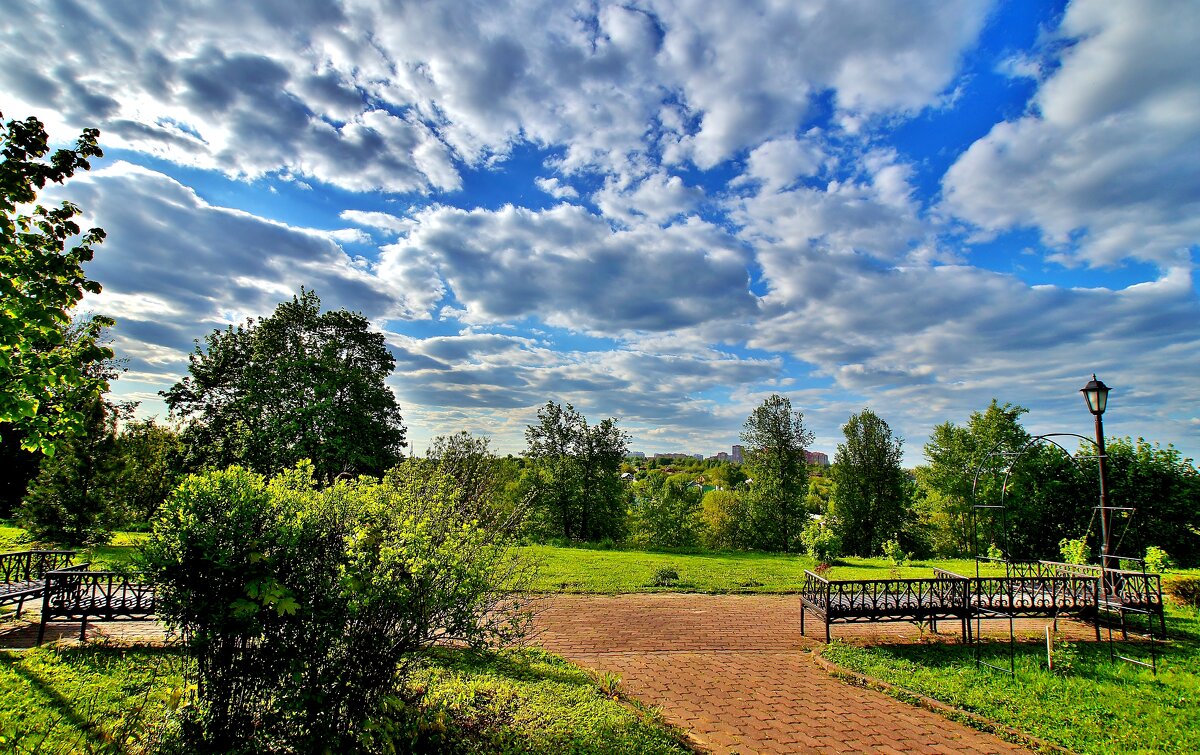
<point>658,211</point>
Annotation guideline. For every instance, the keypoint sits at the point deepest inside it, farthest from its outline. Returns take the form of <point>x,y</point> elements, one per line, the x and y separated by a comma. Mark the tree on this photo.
<point>75,498</point>
<point>954,455</point>
<point>300,384</point>
<point>666,512</point>
<point>578,492</point>
<point>776,439</point>
<point>724,516</point>
<point>1162,486</point>
<point>149,457</point>
<point>41,281</point>
<point>870,498</point>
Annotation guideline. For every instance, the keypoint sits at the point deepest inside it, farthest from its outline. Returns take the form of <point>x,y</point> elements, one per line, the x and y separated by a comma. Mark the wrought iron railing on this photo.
<point>32,565</point>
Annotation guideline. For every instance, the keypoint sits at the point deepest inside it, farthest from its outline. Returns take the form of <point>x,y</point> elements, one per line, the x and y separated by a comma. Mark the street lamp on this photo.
<point>1095,394</point>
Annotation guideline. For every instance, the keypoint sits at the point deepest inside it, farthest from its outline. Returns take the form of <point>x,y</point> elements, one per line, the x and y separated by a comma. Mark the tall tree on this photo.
<point>41,281</point>
<point>75,497</point>
<point>870,496</point>
<point>578,468</point>
<point>150,458</point>
<point>300,384</point>
<point>955,455</point>
<point>776,439</point>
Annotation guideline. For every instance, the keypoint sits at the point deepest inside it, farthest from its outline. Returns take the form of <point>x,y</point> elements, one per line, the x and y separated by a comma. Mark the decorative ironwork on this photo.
<point>22,574</point>
<point>74,594</point>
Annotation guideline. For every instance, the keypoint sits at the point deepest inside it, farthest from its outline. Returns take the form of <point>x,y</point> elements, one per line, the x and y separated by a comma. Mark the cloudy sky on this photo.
<point>658,211</point>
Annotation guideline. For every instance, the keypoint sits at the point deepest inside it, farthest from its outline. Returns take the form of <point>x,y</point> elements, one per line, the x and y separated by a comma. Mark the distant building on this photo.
<point>635,455</point>
<point>736,456</point>
<point>816,458</point>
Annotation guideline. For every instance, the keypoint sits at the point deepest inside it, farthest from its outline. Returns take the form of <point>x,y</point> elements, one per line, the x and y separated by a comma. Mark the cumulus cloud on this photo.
<point>556,188</point>
<point>174,266</point>
<point>658,198</point>
<point>1107,162</point>
<point>365,96</point>
<point>569,268</point>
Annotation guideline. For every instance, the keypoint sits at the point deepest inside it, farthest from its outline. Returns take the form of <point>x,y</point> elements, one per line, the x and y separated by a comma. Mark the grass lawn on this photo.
<point>1097,706</point>
<point>586,570</point>
<point>83,699</point>
<point>100,699</point>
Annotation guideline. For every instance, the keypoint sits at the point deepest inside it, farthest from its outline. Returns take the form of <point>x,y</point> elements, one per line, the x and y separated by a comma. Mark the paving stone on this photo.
<point>734,671</point>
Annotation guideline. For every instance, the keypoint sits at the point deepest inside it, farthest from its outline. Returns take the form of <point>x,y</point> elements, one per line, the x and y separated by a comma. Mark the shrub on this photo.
<point>1073,551</point>
<point>1183,590</point>
<point>994,552</point>
<point>304,608</point>
<point>822,543</point>
<point>665,577</point>
<point>1157,559</point>
<point>895,553</point>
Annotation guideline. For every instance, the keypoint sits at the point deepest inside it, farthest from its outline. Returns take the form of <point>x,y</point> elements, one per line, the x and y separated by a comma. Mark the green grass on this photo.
<point>98,699</point>
<point>586,570</point>
<point>85,699</point>
<point>1098,706</point>
<point>528,701</point>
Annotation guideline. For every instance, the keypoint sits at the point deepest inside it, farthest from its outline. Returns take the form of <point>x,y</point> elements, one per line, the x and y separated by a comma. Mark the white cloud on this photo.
<point>556,188</point>
<point>658,198</point>
<point>569,268</point>
<point>1107,164</point>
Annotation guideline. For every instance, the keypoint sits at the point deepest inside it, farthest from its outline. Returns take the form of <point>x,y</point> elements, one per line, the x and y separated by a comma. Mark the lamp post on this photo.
<point>1095,394</point>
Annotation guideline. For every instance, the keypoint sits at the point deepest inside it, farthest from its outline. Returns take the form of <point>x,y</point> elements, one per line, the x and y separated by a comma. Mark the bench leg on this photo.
<point>828,639</point>
<point>20,606</point>
<point>801,619</point>
<point>83,630</point>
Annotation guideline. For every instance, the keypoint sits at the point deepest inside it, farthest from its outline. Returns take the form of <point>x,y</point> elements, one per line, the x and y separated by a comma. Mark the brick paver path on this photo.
<point>734,671</point>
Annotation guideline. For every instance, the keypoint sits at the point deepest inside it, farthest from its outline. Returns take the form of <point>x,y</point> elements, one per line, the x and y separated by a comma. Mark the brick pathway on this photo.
<point>733,670</point>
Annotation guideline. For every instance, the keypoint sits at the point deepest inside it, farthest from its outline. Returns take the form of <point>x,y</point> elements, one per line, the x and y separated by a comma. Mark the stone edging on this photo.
<point>974,720</point>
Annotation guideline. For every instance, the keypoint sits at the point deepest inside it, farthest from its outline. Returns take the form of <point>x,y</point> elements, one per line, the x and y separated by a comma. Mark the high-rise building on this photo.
<point>736,456</point>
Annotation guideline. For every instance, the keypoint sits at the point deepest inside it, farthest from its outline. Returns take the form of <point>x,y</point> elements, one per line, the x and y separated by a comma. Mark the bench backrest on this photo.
<point>76,591</point>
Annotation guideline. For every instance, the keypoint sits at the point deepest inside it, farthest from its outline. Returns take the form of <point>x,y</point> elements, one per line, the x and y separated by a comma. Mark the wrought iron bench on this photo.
<point>1037,588</point>
<point>942,598</point>
<point>80,595</point>
<point>22,574</point>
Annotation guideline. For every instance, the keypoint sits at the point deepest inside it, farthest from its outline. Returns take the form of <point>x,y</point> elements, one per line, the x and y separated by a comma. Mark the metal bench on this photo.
<point>79,595</point>
<point>22,574</point>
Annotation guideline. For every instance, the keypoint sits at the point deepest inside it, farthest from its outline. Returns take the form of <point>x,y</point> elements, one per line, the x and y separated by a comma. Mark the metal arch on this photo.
<point>1015,456</point>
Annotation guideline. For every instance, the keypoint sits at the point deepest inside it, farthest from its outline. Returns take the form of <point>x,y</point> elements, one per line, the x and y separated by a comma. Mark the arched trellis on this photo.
<point>1111,594</point>
<point>1013,457</point>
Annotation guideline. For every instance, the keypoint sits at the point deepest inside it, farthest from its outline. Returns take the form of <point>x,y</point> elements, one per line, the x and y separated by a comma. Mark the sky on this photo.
<point>662,212</point>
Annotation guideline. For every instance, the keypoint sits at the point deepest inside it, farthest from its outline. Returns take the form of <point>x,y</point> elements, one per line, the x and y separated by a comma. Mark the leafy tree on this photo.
<point>724,516</point>
<point>41,281</point>
<point>1163,488</point>
<point>75,498</point>
<point>870,502</point>
<point>776,438</point>
<point>149,458</point>
<point>300,384</point>
<point>577,491</point>
<point>666,512</point>
<point>954,455</point>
